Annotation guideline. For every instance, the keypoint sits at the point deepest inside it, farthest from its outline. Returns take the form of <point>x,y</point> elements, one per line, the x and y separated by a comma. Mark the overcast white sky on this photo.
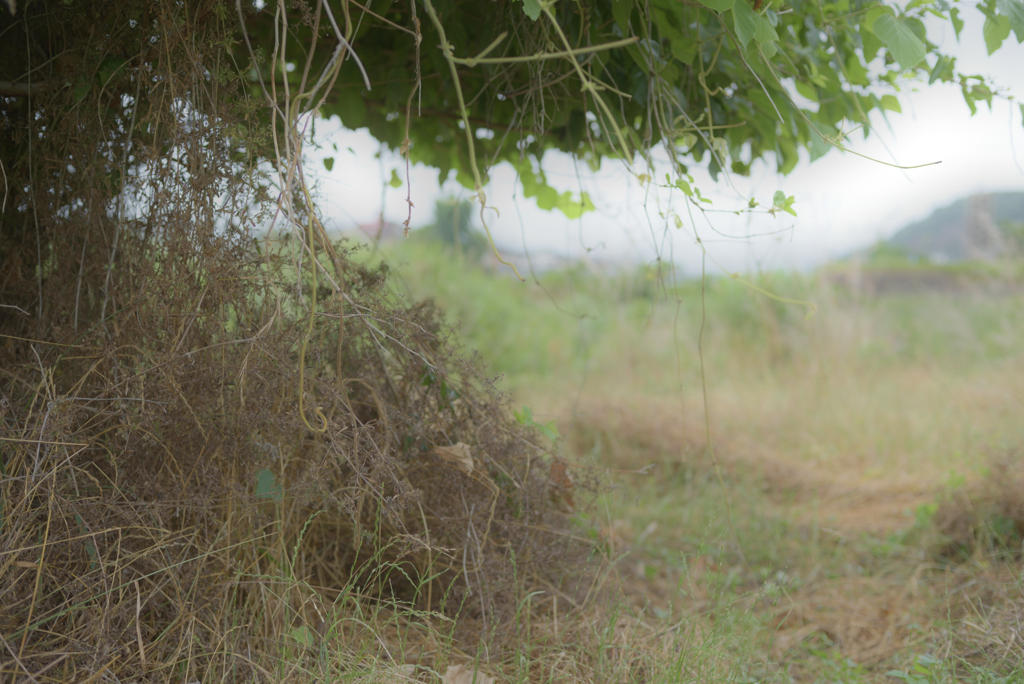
<point>843,202</point>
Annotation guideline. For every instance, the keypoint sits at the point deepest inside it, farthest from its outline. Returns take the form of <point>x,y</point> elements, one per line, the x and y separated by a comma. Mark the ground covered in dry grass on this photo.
<point>859,515</point>
<point>829,577</point>
<point>844,502</point>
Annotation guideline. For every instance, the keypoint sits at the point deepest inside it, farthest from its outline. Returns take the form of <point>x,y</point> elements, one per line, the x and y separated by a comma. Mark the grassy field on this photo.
<point>824,489</point>
<point>791,478</point>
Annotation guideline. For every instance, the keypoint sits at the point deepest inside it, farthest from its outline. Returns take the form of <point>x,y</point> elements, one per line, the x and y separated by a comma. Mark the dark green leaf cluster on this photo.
<point>720,82</point>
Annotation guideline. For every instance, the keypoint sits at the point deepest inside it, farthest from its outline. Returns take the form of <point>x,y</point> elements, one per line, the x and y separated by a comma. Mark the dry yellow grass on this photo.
<point>845,442</point>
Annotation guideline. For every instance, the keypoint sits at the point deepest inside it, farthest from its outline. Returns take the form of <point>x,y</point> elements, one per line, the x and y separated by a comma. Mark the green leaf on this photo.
<point>995,30</point>
<point>870,44</point>
<point>351,110</point>
<point>688,191</point>
<point>536,185</point>
<point>943,69</point>
<point>745,22</point>
<point>532,9</point>
<point>891,103</point>
<point>787,155</point>
<point>807,90</point>
<point>304,635</point>
<point>329,163</point>
<point>969,98</point>
<point>267,486</point>
<point>855,71</point>
<point>818,147</point>
<point>621,11</point>
<point>780,202</point>
<point>1014,11</point>
<point>906,48</point>
<point>981,91</point>
<point>547,197</point>
<point>574,208</point>
<point>550,431</point>
<point>917,26</point>
<point>718,5</point>
<point>917,3</point>
<point>525,418</point>
<point>720,146</point>
<point>109,67</point>
<point>641,62</point>
<point>872,15</point>
<point>81,90</point>
<point>684,49</point>
<point>395,181</point>
<point>958,23</point>
<point>765,34</point>
<point>869,40</point>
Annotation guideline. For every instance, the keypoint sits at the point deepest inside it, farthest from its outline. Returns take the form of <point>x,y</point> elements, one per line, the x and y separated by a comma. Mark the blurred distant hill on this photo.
<point>979,227</point>
<point>973,245</point>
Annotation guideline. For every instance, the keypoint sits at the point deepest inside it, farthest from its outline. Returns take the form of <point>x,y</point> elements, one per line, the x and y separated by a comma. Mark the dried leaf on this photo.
<point>563,485</point>
<point>460,674</point>
<point>458,455</point>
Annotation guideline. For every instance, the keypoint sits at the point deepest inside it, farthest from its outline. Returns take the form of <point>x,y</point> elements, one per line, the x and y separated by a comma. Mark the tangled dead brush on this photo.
<point>213,440</point>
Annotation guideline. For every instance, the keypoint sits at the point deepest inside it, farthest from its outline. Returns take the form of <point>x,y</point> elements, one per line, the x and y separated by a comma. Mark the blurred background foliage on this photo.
<point>580,316</point>
<point>455,230</point>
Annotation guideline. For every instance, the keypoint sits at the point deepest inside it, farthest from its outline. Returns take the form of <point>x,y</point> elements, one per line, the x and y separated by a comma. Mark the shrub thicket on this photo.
<point>211,436</point>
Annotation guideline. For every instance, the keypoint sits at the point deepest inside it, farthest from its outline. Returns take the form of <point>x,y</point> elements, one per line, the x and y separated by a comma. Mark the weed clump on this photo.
<point>219,434</point>
<point>986,517</point>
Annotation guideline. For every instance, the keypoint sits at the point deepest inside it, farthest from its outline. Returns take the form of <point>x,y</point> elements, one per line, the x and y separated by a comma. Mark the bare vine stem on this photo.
<point>446,50</point>
<point>296,107</point>
<point>540,56</point>
<point>588,85</point>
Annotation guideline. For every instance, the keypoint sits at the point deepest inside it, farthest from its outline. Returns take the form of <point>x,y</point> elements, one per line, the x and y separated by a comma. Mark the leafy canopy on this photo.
<point>722,82</point>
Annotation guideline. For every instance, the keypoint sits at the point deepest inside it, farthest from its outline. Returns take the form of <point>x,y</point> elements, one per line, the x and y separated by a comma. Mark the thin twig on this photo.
<point>541,56</point>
